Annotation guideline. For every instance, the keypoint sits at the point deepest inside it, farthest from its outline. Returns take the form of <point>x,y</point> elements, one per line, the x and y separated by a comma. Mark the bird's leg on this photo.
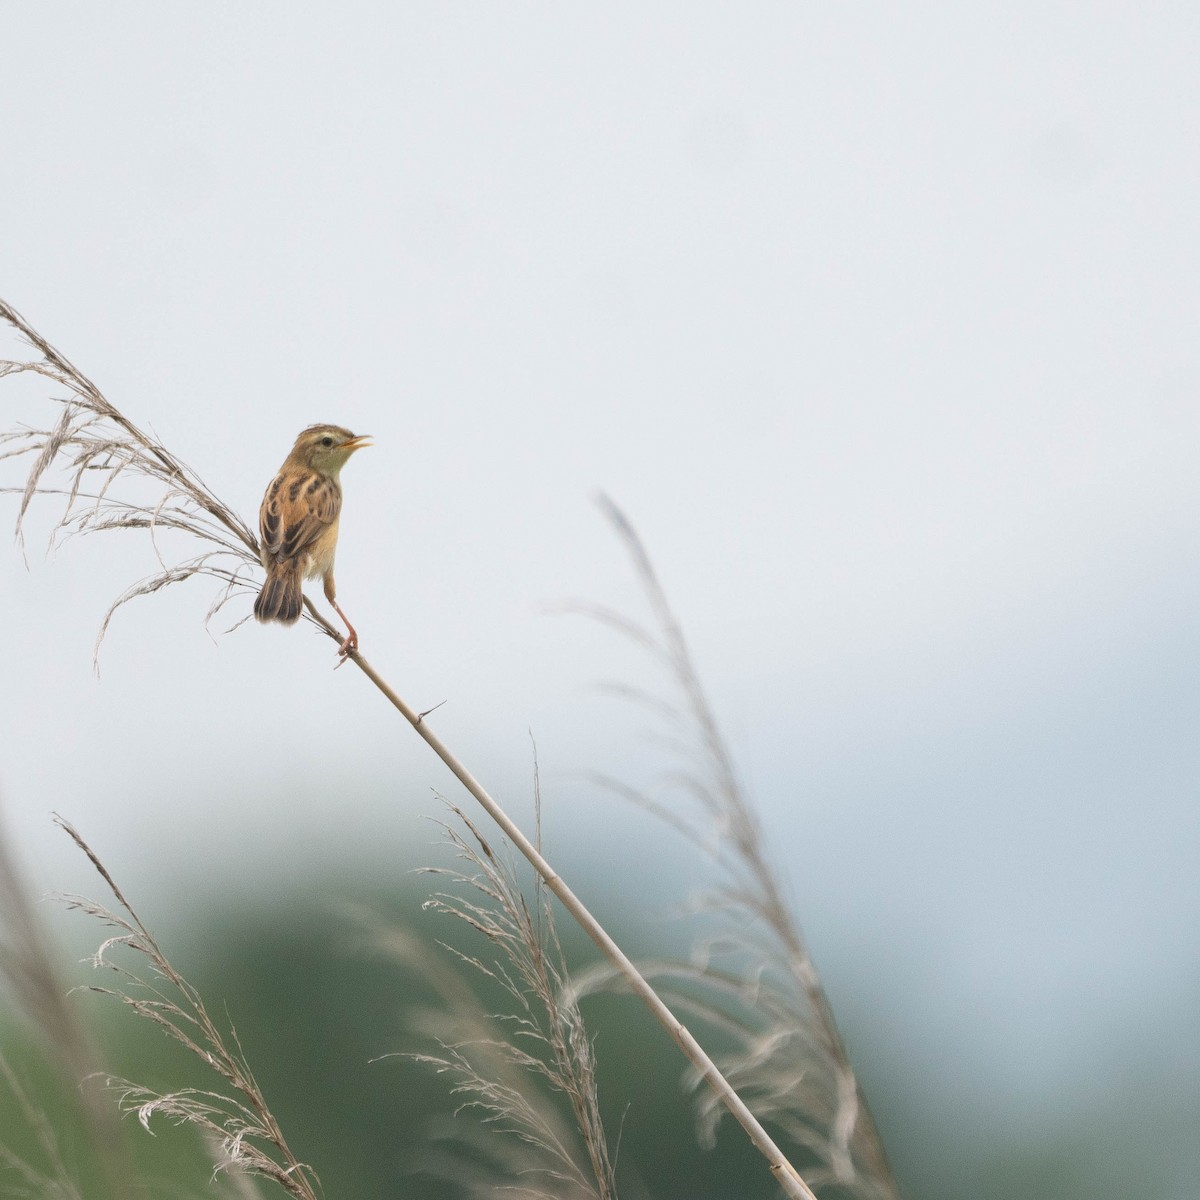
<point>351,642</point>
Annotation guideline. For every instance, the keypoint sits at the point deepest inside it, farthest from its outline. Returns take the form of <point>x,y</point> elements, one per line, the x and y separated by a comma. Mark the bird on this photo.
<point>298,521</point>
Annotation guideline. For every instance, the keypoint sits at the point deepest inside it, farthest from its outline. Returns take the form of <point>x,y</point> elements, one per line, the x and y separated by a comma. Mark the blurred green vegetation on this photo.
<point>322,1020</point>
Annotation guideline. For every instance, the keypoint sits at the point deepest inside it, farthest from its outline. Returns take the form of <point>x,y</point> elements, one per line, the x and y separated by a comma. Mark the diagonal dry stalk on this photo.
<point>93,436</point>
<point>236,1118</point>
<point>791,1063</point>
<point>702,1063</point>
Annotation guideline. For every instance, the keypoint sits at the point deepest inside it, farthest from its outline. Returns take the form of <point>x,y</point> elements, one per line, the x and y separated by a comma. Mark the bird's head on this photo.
<point>325,448</point>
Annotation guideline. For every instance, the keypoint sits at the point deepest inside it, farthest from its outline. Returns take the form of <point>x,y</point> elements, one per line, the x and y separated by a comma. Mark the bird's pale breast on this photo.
<point>321,551</point>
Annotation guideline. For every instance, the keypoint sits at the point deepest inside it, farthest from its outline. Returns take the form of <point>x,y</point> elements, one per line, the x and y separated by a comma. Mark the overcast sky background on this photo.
<point>879,321</point>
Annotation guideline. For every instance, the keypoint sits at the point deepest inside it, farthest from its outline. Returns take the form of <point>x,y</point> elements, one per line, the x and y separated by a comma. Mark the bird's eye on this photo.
<point>327,441</point>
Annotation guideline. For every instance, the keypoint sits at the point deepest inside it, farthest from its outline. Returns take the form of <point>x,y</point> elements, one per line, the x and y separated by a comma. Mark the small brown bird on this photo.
<point>298,522</point>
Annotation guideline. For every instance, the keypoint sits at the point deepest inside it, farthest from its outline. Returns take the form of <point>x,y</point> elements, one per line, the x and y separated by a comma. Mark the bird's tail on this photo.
<point>281,597</point>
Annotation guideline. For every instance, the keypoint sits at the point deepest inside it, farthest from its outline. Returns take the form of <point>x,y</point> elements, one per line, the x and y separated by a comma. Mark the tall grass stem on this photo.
<point>787,1175</point>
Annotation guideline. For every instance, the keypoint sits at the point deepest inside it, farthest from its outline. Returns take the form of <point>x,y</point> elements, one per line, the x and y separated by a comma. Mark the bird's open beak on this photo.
<point>357,443</point>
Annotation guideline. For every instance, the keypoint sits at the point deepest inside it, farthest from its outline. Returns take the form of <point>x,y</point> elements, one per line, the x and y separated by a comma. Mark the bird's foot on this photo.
<point>345,649</point>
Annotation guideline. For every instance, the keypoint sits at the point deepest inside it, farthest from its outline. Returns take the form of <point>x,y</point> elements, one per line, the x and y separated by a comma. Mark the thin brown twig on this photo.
<point>787,1175</point>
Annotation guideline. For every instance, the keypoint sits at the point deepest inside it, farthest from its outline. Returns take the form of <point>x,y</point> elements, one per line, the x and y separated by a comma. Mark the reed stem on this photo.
<point>787,1175</point>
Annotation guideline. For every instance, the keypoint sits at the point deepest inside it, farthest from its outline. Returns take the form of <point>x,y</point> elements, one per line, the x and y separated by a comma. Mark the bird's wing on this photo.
<point>295,512</point>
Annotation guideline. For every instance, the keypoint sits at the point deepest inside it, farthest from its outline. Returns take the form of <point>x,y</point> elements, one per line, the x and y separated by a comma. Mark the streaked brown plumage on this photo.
<point>298,522</point>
